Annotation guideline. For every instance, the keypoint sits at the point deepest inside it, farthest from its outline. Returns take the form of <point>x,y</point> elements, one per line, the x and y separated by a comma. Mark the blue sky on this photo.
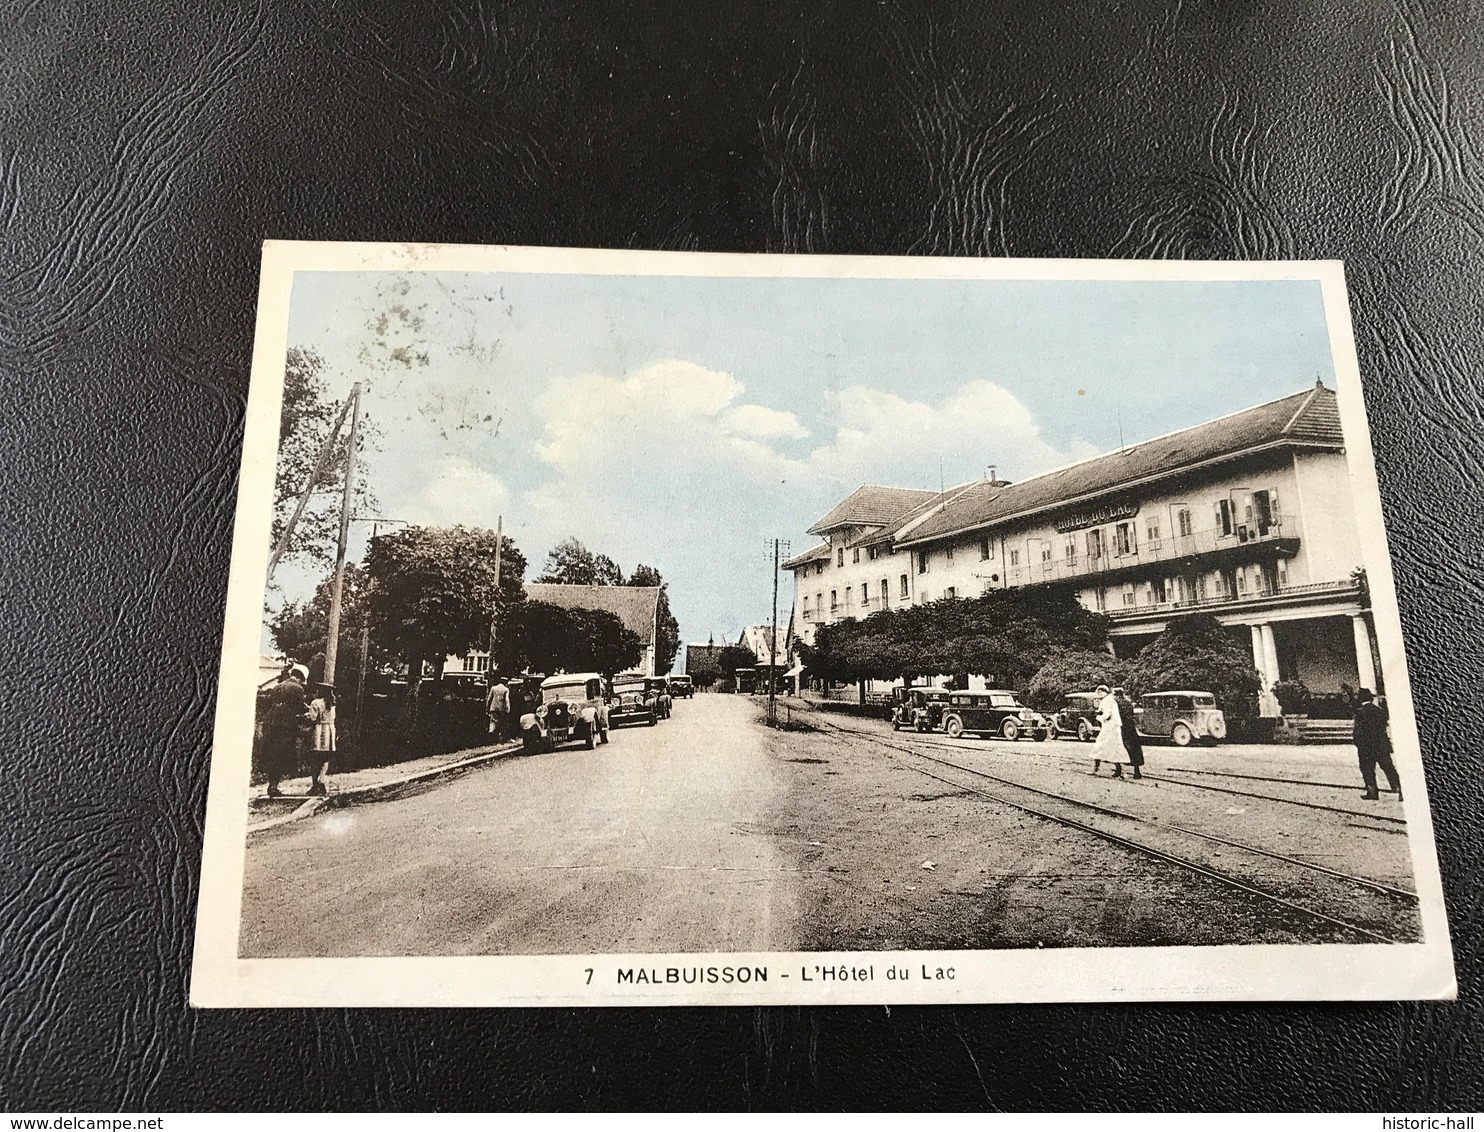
<point>685,422</point>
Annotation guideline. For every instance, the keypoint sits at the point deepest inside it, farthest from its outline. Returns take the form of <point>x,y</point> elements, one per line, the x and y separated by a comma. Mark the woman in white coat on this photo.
<point>1109,747</point>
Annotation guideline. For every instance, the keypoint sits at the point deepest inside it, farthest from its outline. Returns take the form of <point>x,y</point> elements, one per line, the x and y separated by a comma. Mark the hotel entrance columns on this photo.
<point>1364,662</point>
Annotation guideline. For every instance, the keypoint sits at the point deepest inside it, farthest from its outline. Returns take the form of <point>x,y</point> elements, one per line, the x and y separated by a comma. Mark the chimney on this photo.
<point>991,477</point>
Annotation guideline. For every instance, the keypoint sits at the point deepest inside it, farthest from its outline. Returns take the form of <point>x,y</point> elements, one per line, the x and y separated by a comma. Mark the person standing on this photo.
<point>497,706</point>
<point>1373,745</point>
<point>1109,748</point>
<point>283,714</point>
<point>322,723</point>
<point>1130,733</point>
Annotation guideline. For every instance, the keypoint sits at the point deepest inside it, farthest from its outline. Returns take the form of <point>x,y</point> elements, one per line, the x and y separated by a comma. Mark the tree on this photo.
<point>734,657</point>
<point>301,629</point>
<point>1200,654</point>
<point>305,420</point>
<point>1005,636</point>
<point>1073,670</point>
<point>547,638</point>
<point>667,629</point>
<point>434,592</point>
<point>572,564</point>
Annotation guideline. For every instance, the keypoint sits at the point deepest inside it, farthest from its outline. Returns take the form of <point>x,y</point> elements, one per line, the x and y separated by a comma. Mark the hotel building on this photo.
<point>1249,518</point>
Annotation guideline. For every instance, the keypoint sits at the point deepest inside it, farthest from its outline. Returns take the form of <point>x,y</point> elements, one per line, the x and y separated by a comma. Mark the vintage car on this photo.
<point>633,701</point>
<point>1079,716</point>
<point>995,712</point>
<point>918,708</point>
<point>572,709</point>
<point>659,686</point>
<point>682,686</point>
<point>1181,717</point>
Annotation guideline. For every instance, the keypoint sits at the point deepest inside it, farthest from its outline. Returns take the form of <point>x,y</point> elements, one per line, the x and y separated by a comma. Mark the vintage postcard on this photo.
<point>644,628</point>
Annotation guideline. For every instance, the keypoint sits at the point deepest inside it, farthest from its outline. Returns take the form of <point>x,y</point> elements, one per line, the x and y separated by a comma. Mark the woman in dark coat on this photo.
<point>1131,741</point>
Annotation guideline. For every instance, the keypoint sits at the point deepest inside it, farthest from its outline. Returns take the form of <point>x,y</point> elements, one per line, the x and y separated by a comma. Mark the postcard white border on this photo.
<point>219,978</point>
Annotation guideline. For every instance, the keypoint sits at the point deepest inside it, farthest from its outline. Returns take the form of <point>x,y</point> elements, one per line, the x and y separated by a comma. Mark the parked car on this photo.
<point>459,685</point>
<point>659,686</point>
<point>1181,717</point>
<point>682,686</point>
<point>1078,716</point>
<point>633,701</point>
<point>995,712</point>
<point>918,708</point>
<point>572,709</point>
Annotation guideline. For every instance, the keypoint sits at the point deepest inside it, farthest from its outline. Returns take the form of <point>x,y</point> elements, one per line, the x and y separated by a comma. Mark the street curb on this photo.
<point>315,805</point>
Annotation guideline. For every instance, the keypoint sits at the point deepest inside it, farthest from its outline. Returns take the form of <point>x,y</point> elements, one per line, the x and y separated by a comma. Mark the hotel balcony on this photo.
<point>1198,551</point>
<point>1266,596</point>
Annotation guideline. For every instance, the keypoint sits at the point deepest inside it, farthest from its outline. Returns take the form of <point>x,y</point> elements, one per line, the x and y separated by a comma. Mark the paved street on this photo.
<point>710,832</point>
<point>658,841</point>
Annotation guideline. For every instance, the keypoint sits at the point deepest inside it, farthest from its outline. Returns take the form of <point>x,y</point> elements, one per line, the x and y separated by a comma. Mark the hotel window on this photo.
<point>819,605</point>
<point>1095,544</point>
<point>1183,526</point>
<point>904,585</point>
<point>865,594</point>
<point>948,553</point>
<point>986,549</point>
<point>840,557</point>
<point>1070,551</point>
<point>834,602</point>
<point>951,592</point>
<point>885,593</point>
<point>1015,558</point>
<point>1151,532</point>
<point>855,555</point>
<point>871,553</point>
<point>1282,573</point>
<point>818,568</point>
<point>1046,556</point>
<point>1128,596</point>
<point>1225,524</point>
<point>1125,541</point>
<point>922,562</point>
<point>1100,597</point>
<point>1158,592</point>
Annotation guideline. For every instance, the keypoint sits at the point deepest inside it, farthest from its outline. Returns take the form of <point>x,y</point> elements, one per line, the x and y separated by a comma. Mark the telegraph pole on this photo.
<point>332,642</point>
<point>495,605</point>
<point>773,648</point>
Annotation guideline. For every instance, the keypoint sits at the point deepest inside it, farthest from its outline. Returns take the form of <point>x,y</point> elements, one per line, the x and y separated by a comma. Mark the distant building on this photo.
<point>1249,518</point>
<point>636,606</point>
<point>703,660</point>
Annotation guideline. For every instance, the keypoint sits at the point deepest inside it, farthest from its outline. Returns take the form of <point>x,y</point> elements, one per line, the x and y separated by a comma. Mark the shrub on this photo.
<point>1198,653</point>
<point>1072,670</point>
<point>1293,696</point>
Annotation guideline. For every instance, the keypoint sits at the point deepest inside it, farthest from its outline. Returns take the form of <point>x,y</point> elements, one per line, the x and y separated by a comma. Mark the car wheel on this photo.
<point>896,725</point>
<point>1042,736</point>
<point>1084,732</point>
<point>1010,730</point>
<point>954,726</point>
<point>1180,735</point>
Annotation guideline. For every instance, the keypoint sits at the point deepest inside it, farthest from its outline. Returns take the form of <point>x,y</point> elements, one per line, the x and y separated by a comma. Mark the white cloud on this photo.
<point>460,492</point>
<point>763,424</point>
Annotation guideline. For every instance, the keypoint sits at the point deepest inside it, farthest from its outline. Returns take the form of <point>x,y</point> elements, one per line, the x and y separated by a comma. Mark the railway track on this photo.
<point>1359,909</point>
<point>1391,824</point>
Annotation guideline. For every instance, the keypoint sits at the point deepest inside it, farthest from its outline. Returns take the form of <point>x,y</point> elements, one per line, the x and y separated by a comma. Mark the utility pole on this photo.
<point>495,605</point>
<point>773,648</point>
<point>337,587</point>
<point>319,466</point>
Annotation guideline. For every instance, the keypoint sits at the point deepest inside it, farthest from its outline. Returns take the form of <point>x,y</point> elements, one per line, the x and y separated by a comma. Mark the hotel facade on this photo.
<point>1249,518</point>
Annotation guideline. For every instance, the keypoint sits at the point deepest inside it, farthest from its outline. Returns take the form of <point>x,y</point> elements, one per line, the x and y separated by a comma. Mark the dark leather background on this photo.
<point>146,150</point>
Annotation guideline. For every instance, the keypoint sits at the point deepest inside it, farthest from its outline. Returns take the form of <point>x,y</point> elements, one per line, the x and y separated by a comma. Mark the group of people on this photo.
<point>1118,735</point>
<point>296,725</point>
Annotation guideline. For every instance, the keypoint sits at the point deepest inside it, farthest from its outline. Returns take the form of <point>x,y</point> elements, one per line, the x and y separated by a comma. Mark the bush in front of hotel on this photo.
<point>1198,654</point>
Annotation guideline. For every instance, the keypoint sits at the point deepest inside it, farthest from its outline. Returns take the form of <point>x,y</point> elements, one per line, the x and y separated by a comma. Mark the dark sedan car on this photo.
<point>995,712</point>
<point>1078,716</point>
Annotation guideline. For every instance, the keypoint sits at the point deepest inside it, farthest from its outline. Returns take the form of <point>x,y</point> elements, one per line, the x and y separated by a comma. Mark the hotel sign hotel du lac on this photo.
<point>996,631</point>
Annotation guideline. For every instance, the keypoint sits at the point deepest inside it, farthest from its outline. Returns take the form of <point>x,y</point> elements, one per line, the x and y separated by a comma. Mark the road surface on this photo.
<point>658,841</point>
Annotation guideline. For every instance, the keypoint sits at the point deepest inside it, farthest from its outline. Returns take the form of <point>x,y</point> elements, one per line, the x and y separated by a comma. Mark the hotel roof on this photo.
<point>1307,419</point>
<point>872,506</point>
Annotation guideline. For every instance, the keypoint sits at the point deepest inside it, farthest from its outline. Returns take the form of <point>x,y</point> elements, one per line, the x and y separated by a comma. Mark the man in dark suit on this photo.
<point>1373,745</point>
<point>1129,722</point>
